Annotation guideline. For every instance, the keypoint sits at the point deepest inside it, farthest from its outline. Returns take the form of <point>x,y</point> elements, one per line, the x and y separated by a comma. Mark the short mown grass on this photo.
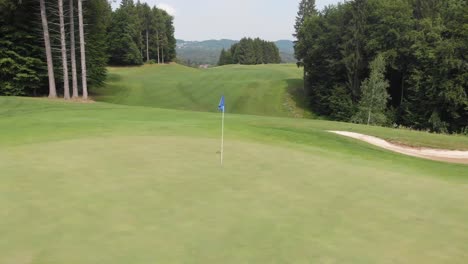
<point>259,90</point>
<point>267,90</point>
<point>106,183</point>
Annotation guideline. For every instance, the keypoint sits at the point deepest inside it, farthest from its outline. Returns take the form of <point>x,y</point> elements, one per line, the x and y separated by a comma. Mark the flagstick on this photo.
<point>222,138</point>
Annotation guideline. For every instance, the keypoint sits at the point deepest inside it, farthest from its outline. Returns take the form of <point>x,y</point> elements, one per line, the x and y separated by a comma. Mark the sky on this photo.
<point>232,19</point>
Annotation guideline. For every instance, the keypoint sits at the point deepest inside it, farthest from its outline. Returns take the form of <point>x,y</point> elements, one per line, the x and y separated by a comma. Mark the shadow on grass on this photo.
<point>113,77</point>
<point>102,90</point>
<point>297,93</point>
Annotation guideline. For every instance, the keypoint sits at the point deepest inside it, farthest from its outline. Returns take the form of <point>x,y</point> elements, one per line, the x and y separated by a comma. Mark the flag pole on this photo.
<point>222,137</point>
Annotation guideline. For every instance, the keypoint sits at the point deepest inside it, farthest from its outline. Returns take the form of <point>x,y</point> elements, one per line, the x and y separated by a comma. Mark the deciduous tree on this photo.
<point>374,98</point>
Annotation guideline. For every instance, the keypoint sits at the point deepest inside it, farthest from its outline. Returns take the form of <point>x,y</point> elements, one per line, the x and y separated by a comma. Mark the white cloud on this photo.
<point>168,8</point>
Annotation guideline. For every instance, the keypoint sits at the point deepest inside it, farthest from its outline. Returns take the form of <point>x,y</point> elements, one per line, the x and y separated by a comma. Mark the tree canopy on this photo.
<point>423,42</point>
<point>129,35</point>
<point>250,52</point>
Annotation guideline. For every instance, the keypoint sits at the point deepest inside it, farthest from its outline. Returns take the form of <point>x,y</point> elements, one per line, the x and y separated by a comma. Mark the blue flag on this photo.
<point>221,104</point>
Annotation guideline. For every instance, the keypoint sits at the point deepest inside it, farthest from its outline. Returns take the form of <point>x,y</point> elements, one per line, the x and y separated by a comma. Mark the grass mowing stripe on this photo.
<point>104,183</point>
<point>170,86</point>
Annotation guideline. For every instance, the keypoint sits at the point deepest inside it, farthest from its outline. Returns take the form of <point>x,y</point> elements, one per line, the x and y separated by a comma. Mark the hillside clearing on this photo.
<point>274,90</point>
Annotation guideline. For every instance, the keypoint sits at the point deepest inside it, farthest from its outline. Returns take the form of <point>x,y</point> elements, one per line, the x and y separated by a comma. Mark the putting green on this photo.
<point>102,183</point>
<point>166,199</point>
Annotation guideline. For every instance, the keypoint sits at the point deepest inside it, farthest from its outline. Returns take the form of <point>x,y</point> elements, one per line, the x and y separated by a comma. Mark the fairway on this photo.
<point>105,183</point>
<point>258,90</point>
<point>224,132</point>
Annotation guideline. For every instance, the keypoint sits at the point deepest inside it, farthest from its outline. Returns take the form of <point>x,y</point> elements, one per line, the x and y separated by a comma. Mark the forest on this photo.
<point>250,51</point>
<point>46,45</point>
<point>387,62</point>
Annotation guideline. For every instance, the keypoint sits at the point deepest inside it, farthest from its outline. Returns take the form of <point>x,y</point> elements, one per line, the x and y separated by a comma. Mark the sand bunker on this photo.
<point>453,156</point>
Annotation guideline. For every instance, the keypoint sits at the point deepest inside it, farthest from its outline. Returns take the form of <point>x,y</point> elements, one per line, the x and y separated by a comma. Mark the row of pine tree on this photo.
<point>139,33</point>
<point>43,52</point>
<point>390,62</point>
<point>250,51</point>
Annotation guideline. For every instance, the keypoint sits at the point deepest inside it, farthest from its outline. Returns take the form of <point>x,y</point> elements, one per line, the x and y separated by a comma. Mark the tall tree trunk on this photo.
<point>82,50</point>
<point>50,64</point>
<point>66,84</point>
<point>402,88</point>
<point>157,40</point>
<point>369,116</point>
<point>72,52</point>
<point>356,82</point>
<point>141,45</point>
<point>162,54</point>
<point>159,59</point>
<point>147,45</point>
<point>305,88</point>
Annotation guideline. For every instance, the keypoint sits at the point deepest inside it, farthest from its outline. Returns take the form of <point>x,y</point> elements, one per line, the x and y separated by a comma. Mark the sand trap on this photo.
<point>453,156</point>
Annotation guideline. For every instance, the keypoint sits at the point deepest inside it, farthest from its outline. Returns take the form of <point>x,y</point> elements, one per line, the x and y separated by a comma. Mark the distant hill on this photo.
<point>207,52</point>
<point>285,46</point>
<point>206,44</point>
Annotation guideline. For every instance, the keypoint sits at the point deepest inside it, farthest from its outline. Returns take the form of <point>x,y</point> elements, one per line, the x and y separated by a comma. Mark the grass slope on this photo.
<point>104,183</point>
<point>258,90</point>
<point>273,90</point>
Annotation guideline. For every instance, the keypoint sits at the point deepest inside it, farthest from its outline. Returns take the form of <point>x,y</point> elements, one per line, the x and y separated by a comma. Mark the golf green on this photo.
<point>106,183</point>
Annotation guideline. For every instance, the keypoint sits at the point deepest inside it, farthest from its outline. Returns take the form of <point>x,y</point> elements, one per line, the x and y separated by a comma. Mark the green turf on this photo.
<point>273,90</point>
<point>259,90</point>
<point>104,183</point>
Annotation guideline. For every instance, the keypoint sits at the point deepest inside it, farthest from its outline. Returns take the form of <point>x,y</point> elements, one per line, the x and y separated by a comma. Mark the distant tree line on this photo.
<point>401,62</point>
<point>52,47</point>
<point>250,52</point>
<point>140,33</point>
